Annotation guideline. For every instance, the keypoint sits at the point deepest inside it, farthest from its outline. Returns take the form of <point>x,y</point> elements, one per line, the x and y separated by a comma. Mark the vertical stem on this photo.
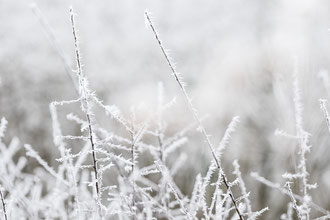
<point>93,154</point>
<point>84,92</point>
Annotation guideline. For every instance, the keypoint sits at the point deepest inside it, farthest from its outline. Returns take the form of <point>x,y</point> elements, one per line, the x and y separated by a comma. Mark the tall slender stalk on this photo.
<point>303,138</point>
<point>192,109</point>
<point>85,93</point>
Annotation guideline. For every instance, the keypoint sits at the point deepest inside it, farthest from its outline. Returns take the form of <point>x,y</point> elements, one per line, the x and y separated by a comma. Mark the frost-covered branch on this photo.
<point>286,192</point>
<point>241,184</point>
<point>193,110</point>
<point>85,106</point>
<point>293,200</point>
